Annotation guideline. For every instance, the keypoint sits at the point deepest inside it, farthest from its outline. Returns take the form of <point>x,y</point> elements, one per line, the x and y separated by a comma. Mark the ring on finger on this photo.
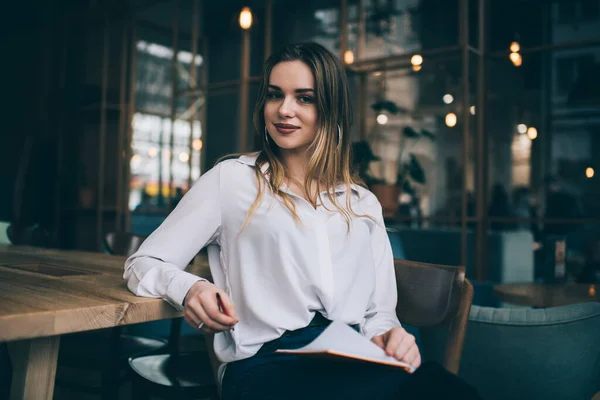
<point>200,325</point>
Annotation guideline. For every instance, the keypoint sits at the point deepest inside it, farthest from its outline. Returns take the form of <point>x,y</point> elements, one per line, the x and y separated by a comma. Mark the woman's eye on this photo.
<point>273,96</point>
<point>306,99</point>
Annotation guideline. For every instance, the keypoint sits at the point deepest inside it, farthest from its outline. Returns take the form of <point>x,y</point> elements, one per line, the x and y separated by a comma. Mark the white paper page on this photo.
<point>341,338</point>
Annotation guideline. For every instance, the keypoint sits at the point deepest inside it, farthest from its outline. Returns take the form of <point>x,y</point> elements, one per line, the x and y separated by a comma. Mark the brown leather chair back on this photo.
<point>429,296</point>
<point>435,296</point>
<point>123,243</point>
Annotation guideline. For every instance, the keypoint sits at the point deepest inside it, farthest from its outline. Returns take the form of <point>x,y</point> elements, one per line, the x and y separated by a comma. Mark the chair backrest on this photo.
<point>429,297</point>
<point>435,298</point>
<point>123,243</point>
<point>3,232</point>
<point>29,235</point>
<point>551,353</point>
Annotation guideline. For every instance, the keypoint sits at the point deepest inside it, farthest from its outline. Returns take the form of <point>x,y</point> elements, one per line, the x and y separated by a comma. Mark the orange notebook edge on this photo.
<point>408,368</point>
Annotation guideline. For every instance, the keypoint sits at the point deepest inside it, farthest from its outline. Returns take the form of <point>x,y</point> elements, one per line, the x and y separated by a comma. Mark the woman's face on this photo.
<point>290,111</point>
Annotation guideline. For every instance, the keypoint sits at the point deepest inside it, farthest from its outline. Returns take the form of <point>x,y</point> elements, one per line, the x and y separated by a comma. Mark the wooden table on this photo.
<point>46,293</point>
<point>544,295</point>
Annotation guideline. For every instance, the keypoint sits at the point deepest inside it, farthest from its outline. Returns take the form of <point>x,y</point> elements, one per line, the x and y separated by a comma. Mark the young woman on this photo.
<point>293,243</point>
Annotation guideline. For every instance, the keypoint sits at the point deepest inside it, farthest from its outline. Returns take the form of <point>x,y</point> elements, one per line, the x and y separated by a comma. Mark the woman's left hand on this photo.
<point>399,344</point>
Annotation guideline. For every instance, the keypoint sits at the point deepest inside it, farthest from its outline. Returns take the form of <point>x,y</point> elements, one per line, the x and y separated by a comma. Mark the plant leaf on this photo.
<point>407,188</point>
<point>428,134</point>
<point>416,171</point>
<point>386,105</point>
<point>409,132</point>
<point>404,184</point>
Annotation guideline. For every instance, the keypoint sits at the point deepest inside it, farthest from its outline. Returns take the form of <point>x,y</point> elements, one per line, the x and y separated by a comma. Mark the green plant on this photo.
<point>362,156</point>
<point>410,170</point>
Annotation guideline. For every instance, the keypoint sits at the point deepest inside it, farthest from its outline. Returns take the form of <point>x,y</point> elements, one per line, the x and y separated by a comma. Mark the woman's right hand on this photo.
<point>202,310</point>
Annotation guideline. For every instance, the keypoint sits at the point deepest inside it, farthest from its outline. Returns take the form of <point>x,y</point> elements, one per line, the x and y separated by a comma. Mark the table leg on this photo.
<point>34,368</point>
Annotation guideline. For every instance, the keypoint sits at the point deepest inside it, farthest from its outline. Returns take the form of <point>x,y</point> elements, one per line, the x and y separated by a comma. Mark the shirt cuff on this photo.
<point>371,333</point>
<point>179,287</point>
<point>378,326</point>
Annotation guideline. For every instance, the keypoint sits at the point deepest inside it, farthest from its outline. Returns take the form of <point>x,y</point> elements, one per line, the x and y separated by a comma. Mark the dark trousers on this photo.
<point>270,375</point>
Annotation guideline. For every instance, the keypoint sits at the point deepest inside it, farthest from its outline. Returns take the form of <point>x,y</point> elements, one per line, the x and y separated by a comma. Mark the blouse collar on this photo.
<point>250,159</point>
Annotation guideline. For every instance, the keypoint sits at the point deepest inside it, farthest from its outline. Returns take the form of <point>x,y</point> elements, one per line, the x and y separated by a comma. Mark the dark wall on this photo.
<point>53,69</point>
<point>44,83</point>
<point>27,143</point>
<point>224,64</point>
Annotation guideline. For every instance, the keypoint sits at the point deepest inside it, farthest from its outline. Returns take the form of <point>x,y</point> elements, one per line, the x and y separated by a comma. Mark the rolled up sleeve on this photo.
<point>157,268</point>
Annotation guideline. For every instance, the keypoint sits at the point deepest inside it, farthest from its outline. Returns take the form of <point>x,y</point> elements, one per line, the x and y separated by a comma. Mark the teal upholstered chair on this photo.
<point>553,353</point>
<point>397,245</point>
<point>3,236</point>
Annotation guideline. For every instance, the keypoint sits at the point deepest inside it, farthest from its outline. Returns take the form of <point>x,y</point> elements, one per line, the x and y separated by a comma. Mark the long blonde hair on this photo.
<point>329,162</point>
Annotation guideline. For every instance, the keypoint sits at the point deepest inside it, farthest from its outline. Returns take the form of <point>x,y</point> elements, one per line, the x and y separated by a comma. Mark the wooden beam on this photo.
<point>245,74</point>
<point>121,144</point>
<point>175,46</point>
<point>130,113</point>
<point>34,367</point>
<point>193,75</point>
<point>102,139</point>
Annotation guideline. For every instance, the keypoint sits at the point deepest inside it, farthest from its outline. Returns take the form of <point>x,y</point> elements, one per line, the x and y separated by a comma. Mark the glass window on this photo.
<point>152,162</point>
<point>570,68</point>
<point>414,125</point>
<point>578,10</point>
<point>162,169</point>
<point>567,10</point>
<point>565,73</point>
<point>295,22</point>
<point>590,9</point>
<point>388,28</point>
<point>154,80</point>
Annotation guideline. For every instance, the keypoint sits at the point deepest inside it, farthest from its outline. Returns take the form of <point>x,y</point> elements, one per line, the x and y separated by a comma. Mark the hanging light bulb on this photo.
<point>197,144</point>
<point>519,61</point>
<point>136,161</point>
<point>417,59</point>
<point>472,110</point>
<point>515,56</point>
<point>448,98</point>
<point>451,119</point>
<point>516,59</point>
<point>382,119</point>
<point>349,57</point>
<point>589,172</point>
<point>184,157</point>
<point>521,128</point>
<point>245,18</point>
<point>532,132</point>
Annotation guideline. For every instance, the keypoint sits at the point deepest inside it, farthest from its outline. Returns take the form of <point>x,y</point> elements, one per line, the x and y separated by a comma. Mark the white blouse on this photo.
<point>277,272</point>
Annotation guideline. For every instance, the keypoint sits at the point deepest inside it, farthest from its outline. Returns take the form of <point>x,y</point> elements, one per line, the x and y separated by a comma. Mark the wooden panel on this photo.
<point>35,305</point>
<point>48,269</point>
<point>32,306</point>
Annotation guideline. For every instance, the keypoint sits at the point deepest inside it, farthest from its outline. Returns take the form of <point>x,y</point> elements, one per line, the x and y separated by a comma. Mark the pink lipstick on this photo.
<point>286,129</point>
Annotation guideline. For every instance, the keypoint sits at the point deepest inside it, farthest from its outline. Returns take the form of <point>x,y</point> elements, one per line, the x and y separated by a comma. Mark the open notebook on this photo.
<point>340,340</point>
